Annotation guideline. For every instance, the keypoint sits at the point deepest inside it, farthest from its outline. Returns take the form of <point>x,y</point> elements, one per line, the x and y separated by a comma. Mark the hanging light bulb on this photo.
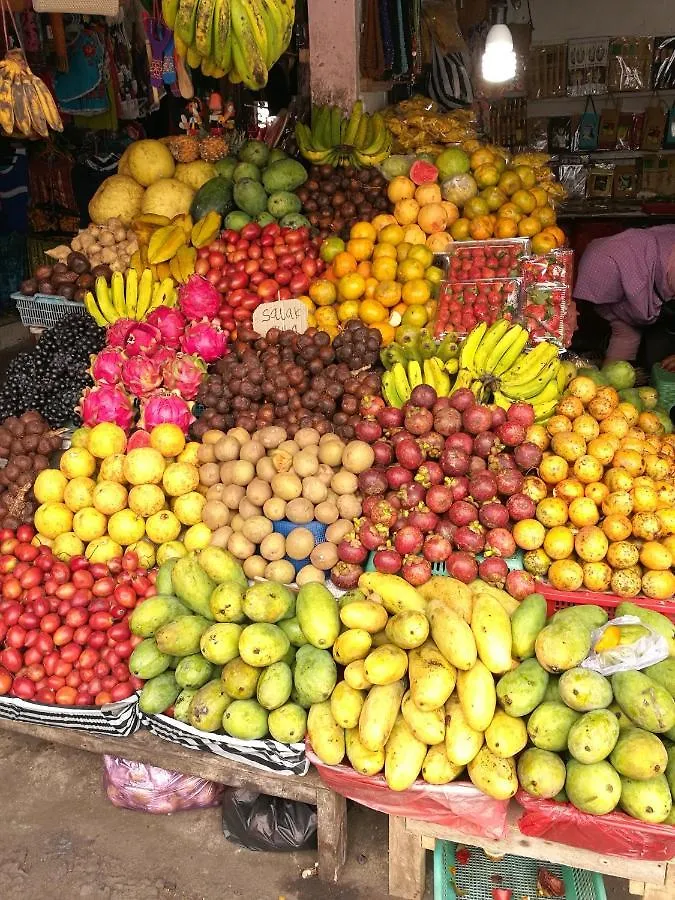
<point>499,57</point>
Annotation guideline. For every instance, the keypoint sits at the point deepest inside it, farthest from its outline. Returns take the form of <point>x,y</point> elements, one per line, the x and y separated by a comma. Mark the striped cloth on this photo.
<point>116,719</point>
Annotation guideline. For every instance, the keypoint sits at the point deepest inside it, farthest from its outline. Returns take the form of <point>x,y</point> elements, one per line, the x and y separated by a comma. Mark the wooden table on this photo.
<point>146,748</point>
<point>409,839</point>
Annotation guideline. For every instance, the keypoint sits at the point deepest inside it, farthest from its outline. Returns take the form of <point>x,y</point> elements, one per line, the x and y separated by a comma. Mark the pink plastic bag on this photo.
<point>134,785</point>
<point>615,834</point>
<point>456,805</point>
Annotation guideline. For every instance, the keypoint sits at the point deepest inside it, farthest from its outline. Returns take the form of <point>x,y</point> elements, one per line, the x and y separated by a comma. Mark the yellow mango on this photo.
<point>379,714</point>
<point>397,595</point>
<point>505,736</point>
<point>355,676</point>
<point>403,756</point>
<point>432,677</point>
<point>426,726</point>
<point>351,645</point>
<point>462,742</point>
<point>477,695</point>
<point>452,635</point>
<point>408,629</point>
<point>346,705</point>
<point>363,760</point>
<point>493,775</point>
<point>491,627</point>
<point>386,664</point>
<point>365,614</point>
<point>437,768</point>
<point>325,735</point>
<point>453,592</point>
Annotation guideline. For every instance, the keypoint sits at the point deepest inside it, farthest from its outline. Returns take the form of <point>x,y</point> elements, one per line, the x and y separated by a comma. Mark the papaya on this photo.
<point>268,601</point>
<point>505,736</point>
<point>549,726</point>
<point>593,737</point>
<point>462,742</point>
<point>432,678</point>
<point>403,756</point>
<point>379,713</point>
<point>158,694</point>
<point>594,788</point>
<point>147,661</point>
<point>563,645</point>
<point>541,773</point>
<point>154,612</point>
<point>522,689</point>
<point>648,800</point>
<point>652,619</point>
<point>181,706</point>
<point>352,644</point>
<point>317,612</point>
<point>246,720</point>
<point>220,642</point>
<point>526,623</point>
<point>408,629</point>
<point>584,689</point>
<point>262,644</point>
<point>293,631</point>
<point>386,664</point>
<point>646,702</point>
<point>325,735</point>
<point>274,686</point>
<point>639,754</point>
<point>476,691</point>
<point>493,775</point>
<point>315,673</point>
<point>182,636</point>
<point>208,705</point>
<point>346,705</point>
<point>193,671</point>
<point>364,761</point>
<point>662,673</point>
<point>426,726</point>
<point>437,768</point>
<point>491,627</point>
<point>452,635</point>
<point>288,723</point>
<point>226,602</point>
<point>192,585</point>
<point>239,679</point>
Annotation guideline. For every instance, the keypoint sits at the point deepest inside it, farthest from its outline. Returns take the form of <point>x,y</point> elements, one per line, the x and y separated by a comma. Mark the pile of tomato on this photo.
<point>64,630</point>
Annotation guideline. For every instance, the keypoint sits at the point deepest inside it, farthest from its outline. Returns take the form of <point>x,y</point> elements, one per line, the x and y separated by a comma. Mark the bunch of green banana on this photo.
<point>359,140</point>
<point>399,381</point>
<point>240,39</point>
<point>132,298</point>
<point>419,344</point>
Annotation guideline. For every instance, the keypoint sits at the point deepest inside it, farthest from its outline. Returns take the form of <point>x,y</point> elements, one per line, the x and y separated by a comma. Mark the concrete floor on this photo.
<point>62,838</point>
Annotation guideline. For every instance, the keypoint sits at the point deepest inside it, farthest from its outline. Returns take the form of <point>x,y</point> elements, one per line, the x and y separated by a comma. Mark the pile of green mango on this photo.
<point>599,743</point>
<point>247,661</point>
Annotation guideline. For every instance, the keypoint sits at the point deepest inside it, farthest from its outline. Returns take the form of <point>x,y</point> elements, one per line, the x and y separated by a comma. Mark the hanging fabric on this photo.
<point>449,81</point>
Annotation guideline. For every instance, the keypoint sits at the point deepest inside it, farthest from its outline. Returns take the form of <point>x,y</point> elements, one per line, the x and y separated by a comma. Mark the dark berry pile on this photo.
<point>51,378</point>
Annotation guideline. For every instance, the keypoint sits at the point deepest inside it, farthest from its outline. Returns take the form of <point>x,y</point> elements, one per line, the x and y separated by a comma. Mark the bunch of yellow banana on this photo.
<point>240,39</point>
<point>164,244</point>
<point>132,298</point>
<point>27,107</point>
<point>399,381</point>
<point>493,360</point>
<point>359,140</point>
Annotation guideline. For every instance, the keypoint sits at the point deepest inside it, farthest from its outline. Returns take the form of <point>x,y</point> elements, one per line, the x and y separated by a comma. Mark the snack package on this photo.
<point>463,304</point>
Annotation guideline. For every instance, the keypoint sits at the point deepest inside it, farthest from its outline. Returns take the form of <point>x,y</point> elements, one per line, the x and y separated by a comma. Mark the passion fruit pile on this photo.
<point>605,497</point>
<point>335,199</point>
<point>70,279</point>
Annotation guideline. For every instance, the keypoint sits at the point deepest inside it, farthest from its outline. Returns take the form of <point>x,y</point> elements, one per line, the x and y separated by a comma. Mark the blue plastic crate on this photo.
<point>480,875</point>
<point>284,527</point>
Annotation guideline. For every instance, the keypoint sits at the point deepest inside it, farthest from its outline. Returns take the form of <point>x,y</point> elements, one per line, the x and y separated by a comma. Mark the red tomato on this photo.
<point>88,658</point>
<point>94,685</point>
<point>102,698</point>
<point>121,671</point>
<point>5,681</point>
<point>32,656</point>
<point>108,683</point>
<point>125,596</point>
<point>23,688</point>
<point>73,679</point>
<point>101,620</point>
<point>103,587</point>
<point>63,635</point>
<point>60,572</point>
<point>86,675</point>
<point>8,543</point>
<point>66,696</point>
<point>44,643</point>
<point>84,699</point>
<point>55,682</point>
<point>202,265</point>
<point>124,649</point>
<point>16,637</point>
<point>83,578</point>
<point>44,695</point>
<point>50,586</point>
<point>41,606</point>
<point>65,591</point>
<point>101,669</point>
<point>50,662</point>
<point>97,639</point>
<point>122,691</point>
<point>50,623</point>
<point>35,672</point>
<point>71,652</point>
<point>12,612</point>
<point>32,578</point>
<point>216,260</point>
<point>29,620</point>
<point>78,562</point>
<point>63,668</point>
<point>26,552</point>
<point>76,616</point>
<point>11,589</point>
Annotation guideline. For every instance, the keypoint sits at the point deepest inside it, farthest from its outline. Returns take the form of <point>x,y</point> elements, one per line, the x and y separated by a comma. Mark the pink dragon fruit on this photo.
<point>199,299</point>
<point>163,355</point>
<point>141,375</point>
<point>184,374</point>
<point>205,339</point>
<point>107,403</point>
<point>142,339</point>
<point>164,406</point>
<point>171,323</point>
<point>116,333</point>
<point>106,366</point>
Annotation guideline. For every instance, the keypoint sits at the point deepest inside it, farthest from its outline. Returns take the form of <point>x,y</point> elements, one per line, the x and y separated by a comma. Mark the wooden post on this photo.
<point>407,861</point>
<point>334,51</point>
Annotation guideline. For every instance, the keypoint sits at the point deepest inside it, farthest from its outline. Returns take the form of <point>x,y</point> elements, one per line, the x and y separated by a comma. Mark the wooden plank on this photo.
<point>331,811</point>
<point>637,887</point>
<point>407,861</point>
<point>667,892</point>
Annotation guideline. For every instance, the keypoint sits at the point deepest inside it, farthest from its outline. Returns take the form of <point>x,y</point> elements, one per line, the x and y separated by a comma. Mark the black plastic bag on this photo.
<point>259,822</point>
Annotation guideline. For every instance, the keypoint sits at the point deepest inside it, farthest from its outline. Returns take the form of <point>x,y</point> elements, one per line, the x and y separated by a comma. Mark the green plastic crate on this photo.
<point>475,879</point>
<point>664,382</point>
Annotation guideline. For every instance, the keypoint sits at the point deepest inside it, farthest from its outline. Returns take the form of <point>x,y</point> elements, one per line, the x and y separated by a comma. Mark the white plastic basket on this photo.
<point>44,310</point>
<point>83,7</point>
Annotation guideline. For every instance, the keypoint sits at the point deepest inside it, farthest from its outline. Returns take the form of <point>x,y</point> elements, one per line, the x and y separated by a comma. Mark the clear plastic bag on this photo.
<point>259,822</point>
<point>135,785</point>
<point>646,651</point>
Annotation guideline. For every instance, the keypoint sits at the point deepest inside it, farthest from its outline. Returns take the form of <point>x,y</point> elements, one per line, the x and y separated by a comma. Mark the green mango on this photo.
<point>208,706</point>
<point>639,755</point>
<point>670,769</point>
<point>181,637</point>
<point>315,674</point>
<point>221,566</point>
<point>593,737</point>
<point>240,679</point>
<point>193,671</point>
<point>648,801</point>
<point>652,619</point>
<point>549,726</point>
<point>154,612</point>
<point>245,719</point>
<point>288,723</point>
<point>262,644</point>
<point>181,707</point>
<point>594,788</point>
<point>317,612</point>
<point>226,602</point>
<point>522,689</point>
<point>291,627</point>
<point>163,581</point>
<point>563,645</point>
<point>526,623</point>
<point>158,694</point>
<point>274,685</point>
<point>584,690</point>
<point>220,642</point>
<point>553,689</point>
<point>646,702</point>
<point>590,615</point>
<point>192,585</point>
<point>268,601</point>
<point>541,773</point>
<point>147,661</point>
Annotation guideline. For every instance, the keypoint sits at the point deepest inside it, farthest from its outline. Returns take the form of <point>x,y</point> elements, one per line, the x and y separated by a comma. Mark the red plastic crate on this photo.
<point>561,599</point>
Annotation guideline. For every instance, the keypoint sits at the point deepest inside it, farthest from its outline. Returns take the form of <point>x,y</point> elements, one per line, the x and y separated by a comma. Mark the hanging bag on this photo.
<point>449,82</point>
<point>588,128</point>
<point>669,139</point>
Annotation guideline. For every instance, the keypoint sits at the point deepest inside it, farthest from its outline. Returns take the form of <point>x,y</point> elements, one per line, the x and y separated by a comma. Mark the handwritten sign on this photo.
<point>286,315</point>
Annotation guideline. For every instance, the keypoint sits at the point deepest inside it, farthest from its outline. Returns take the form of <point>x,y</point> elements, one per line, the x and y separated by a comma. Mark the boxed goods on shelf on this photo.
<point>472,260</point>
<point>462,304</point>
<point>547,313</point>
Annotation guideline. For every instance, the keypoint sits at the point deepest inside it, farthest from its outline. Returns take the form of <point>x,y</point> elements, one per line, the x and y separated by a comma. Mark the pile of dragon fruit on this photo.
<point>150,372</point>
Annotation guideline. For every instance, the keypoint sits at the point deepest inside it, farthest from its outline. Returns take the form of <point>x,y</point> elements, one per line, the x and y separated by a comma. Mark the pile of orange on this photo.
<point>378,276</point>
<point>605,497</point>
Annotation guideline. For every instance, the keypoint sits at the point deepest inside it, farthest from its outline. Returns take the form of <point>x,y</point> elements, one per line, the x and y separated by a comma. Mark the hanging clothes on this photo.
<point>82,89</point>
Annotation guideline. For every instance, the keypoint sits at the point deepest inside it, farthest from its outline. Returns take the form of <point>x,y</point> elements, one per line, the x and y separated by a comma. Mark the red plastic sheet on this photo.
<point>615,834</point>
<point>456,805</point>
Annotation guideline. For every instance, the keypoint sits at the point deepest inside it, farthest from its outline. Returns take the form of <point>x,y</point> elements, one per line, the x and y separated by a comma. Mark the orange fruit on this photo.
<point>597,491</point>
<point>541,243</point>
<point>460,229</point>
<point>405,211</point>
<point>364,230</point>
<point>529,226</point>
<point>387,331</point>
<point>388,293</point>
<point>391,234</point>
<point>352,286</point>
<point>568,489</point>
<point>360,248</point>
<point>384,269</point>
<point>509,211</point>
<point>365,268</point>
<point>413,316</point>
<point>402,250</point>
<point>348,309</point>
<point>486,175</point>
<point>434,274</point>
<point>414,235</point>
<point>545,214</point>
<point>571,407</point>
<point>558,423</point>
<point>494,197</point>
<point>432,218</point>
<point>409,269</point>
<point>526,175</point>
<point>384,250</point>
<point>428,193</point>
<point>331,247</point>
<point>510,182</point>
<point>481,228</point>
<point>451,211</point>
<point>506,228</point>
<point>439,242</point>
<point>425,256</point>
<point>371,286</point>
<point>524,200</point>
<point>379,222</point>
<point>343,264</point>
<point>322,292</point>
<point>416,291</point>
<point>481,157</point>
<point>400,188</point>
<point>474,207</point>
<point>617,527</point>
<point>371,311</point>
<point>583,511</point>
<point>557,233</point>
<point>539,195</point>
